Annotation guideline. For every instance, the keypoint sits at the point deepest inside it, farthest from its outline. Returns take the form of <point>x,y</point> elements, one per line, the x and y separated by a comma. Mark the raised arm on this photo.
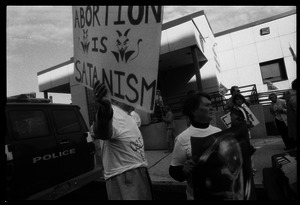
<point>103,123</point>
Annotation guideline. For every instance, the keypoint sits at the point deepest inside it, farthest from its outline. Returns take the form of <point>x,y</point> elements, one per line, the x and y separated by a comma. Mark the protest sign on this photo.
<point>252,117</point>
<point>223,166</point>
<point>119,46</point>
<point>222,89</point>
<point>226,119</point>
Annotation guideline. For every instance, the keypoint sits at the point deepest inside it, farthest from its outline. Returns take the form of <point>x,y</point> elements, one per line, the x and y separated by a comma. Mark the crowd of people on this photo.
<point>123,155</point>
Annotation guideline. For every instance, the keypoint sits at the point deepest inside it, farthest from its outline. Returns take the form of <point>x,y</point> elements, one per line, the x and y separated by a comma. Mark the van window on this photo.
<point>66,121</point>
<point>29,124</point>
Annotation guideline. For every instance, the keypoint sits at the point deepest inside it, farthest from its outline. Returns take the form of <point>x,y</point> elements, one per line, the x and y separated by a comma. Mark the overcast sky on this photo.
<point>40,37</point>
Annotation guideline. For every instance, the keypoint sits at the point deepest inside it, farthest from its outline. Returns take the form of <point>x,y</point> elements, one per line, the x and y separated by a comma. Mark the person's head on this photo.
<point>238,99</point>
<point>167,108</point>
<point>234,90</point>
<point>273,97</point>
<point>198,108</point>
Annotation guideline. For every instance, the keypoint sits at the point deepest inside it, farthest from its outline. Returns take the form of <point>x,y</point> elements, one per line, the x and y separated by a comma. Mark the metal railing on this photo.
<point>248,91</point>
<point>219,101</point>
<point>264,96</point>
<point>176,104</point>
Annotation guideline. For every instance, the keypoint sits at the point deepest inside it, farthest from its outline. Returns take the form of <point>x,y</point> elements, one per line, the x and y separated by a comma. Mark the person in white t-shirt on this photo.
<point>170,126</point>
<point>135,116</point>
<point>199,111</point>
<point>122,146</point>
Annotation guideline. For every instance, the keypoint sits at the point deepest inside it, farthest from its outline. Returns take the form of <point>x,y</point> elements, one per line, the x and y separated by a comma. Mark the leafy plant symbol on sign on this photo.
<point>84,43</point>
<point>122,46</point>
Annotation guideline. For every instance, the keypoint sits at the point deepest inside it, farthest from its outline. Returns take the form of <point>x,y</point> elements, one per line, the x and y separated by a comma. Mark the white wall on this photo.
<point>240,53</point>
<point>78,94</point>
<point>210,76</point>
<point>55,77</point>
<point>177,37</point>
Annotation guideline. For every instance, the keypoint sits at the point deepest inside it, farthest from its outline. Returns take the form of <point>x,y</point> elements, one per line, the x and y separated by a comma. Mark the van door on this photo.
<point>75,154</point>
<point>32,143</point>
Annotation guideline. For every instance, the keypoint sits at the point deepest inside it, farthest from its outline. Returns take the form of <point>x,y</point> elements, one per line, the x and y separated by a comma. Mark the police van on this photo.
<point>48,149</point>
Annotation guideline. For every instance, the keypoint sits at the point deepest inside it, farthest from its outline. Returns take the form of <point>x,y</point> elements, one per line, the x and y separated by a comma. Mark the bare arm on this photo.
<point>181,173</point>
<point>103,123</point>
<point>284,107</point>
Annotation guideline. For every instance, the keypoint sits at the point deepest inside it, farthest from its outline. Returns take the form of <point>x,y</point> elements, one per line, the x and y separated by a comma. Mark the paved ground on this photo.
<point>166,188</point>
<point>262,157</point>
<point>159,161</point>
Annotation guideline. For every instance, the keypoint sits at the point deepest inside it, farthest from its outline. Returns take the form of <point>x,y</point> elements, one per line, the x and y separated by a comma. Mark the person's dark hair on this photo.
<point>192,103</point>
<point>294,84</point>
<point>167,107</point>
<point>233,88</point>
<point>238,96</point>
<point>272,94</point>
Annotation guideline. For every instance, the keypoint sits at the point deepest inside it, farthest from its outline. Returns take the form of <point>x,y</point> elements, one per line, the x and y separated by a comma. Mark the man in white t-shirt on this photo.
<point>199,111</point>
<point>122,147</point>
<point>135,116</point>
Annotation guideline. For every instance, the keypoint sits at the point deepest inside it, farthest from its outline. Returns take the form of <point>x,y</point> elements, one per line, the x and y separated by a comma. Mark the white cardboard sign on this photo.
<point>252,117</point>
<point>119,46</point>
<point>226,119</point>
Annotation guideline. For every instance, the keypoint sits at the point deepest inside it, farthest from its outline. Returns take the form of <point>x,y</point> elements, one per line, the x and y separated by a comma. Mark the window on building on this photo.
<point>273,71</point>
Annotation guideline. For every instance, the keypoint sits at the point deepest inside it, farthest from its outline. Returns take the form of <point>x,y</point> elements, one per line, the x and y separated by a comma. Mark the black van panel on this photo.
<point>48,145</point>
<point>71,136</point>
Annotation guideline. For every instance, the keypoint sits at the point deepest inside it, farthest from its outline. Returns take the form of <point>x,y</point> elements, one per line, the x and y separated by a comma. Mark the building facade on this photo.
<point>259,52</point>
<point>192,57</point>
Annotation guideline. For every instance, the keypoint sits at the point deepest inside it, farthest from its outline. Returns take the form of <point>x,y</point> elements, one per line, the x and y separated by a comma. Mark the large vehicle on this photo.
<point>48,148</point>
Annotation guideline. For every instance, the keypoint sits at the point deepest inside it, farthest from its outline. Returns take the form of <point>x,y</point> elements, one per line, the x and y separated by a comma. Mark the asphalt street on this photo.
<point>166,188</point>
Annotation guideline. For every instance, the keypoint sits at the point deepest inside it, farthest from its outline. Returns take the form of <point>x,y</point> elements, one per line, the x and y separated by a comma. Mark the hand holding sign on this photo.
<point>100,91</point>
<point>188,167</point>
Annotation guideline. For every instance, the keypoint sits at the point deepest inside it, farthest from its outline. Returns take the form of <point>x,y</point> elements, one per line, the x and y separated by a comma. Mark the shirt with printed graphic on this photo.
<point>125,149</point>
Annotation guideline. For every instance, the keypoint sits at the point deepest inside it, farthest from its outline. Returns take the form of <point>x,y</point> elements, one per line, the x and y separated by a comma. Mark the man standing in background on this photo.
<point>292,113</point>
<point>278,109</point>
<point>170,126</point>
